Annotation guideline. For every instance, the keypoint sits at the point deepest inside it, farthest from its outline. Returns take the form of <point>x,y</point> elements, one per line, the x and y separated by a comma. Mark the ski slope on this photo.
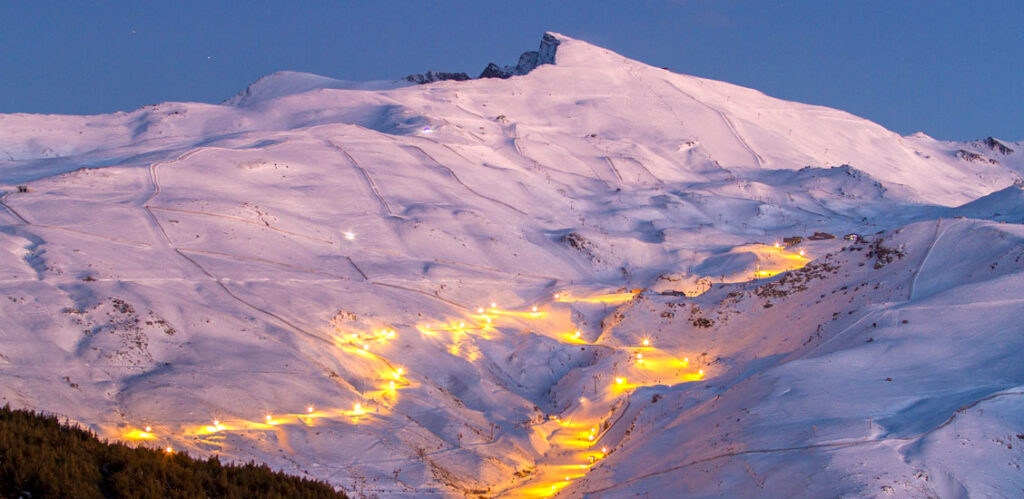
<point>445,290</point>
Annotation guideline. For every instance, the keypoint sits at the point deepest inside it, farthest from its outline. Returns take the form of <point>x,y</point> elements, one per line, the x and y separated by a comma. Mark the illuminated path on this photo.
<point>576,436</point>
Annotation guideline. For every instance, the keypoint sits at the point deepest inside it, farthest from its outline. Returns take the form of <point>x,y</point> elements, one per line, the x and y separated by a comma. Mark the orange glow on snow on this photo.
<point>610,298</point>
<point>135,434</point>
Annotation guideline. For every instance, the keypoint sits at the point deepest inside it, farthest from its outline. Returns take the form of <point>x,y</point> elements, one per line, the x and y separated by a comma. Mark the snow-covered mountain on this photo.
<point>581,276</point>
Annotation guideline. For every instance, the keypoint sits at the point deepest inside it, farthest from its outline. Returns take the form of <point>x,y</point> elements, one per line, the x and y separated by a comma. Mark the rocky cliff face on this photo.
<point>545,54</point>
<point>998,145</point>
<point>527,62</point>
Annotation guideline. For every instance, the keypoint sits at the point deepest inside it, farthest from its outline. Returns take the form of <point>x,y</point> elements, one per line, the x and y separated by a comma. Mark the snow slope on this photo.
<point>339,279</point>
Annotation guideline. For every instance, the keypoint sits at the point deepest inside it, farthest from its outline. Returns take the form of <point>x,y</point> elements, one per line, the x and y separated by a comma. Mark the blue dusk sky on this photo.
<point>949,68</point>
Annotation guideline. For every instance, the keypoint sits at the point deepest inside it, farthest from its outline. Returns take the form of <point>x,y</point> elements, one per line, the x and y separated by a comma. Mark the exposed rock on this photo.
<point>494,71</point>
<point>975,157</point>
<point>998,146</point>
<point>527,62</point>
<point>432,76</point>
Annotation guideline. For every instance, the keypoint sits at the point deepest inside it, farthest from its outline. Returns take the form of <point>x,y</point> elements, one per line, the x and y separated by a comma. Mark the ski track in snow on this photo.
<point>758,160</point>
<point>437,164</point>
<point>10,210</point>
<point>370,183</point>
<point>924,260</point>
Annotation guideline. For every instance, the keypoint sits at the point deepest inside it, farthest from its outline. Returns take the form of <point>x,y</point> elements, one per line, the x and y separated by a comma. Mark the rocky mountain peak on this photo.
<point>998,145</point>
<point>545,54</point>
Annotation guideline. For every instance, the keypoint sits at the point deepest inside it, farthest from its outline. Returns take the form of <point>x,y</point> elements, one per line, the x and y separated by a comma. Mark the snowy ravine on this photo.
<point>598,278</point>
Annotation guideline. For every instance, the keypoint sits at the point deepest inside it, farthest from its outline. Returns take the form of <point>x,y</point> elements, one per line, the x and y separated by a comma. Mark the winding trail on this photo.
<point>242,220</point>
<point>12,211</point>
<point>156,189</point>
<point>126,242</point>
<point>265,261</point>
<point>36,226</point>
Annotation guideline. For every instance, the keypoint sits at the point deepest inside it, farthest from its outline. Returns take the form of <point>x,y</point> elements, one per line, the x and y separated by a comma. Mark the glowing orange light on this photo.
<point>604,450</point>
<point>801,252</point>
<point>309,410</point>
<point>567,479</point>
<point>169,449</point>
<point>686,359</point>
<point>148,429</point>
<point>366,348</point>
<point>576,334</point>
<point>558,295</point>
<point>269,418</point>
<point>701,372</point>
<point>777,245</point>
<point>462,325</point>
<point>137,435</point>
<point>358,409</point>
<point>399,372</point>
<point>620,381</point>
<point>639,356</point>
<point>590,437</point>
<point>391,385</point>
<point>534,309</point>
<point>494,304</point>
<point>647,342</point>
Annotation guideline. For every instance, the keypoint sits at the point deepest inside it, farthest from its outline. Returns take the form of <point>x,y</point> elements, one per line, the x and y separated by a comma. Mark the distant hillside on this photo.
<point>40,457</point>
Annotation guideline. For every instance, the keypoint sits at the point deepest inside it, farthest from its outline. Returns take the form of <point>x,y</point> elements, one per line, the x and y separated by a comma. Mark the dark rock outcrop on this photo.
<point>432,76</point>
<point>527,62</point>
<point>494,71</point>
<point>998,146</point>
<point>975,157</point>
<point>545,54</point>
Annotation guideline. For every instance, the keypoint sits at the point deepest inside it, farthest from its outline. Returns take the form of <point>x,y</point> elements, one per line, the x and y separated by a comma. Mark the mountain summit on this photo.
<point>527,62</point>
<point>581,276</point>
